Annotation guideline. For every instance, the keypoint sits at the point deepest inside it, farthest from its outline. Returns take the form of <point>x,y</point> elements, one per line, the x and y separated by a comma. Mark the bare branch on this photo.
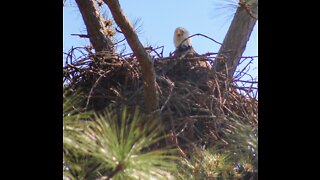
<point>199,34</point>
<point>145,61</point>
<point>81,35</point>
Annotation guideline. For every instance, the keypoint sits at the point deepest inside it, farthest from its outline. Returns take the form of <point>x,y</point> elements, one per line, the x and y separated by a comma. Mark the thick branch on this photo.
<point>235,41</point>
<point>145,61</point>
<point>95,26</point>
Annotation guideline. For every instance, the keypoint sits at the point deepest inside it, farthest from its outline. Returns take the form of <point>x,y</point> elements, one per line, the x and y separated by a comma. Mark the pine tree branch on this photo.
<point>145,61</point>
<point>248,7</point>
<point>94,22</point>
<point>235,41</point>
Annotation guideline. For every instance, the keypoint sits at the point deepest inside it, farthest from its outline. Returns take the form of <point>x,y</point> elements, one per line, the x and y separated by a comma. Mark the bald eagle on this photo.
<point>184,47</point>
<point>182,44</point>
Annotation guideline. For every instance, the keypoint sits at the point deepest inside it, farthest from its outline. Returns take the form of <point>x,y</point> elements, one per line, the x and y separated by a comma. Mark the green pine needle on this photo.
<point>122,145</point>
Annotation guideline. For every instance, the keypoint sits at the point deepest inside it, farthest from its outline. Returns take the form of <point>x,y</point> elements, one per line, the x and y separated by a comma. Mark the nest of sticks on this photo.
<point>195,104</point>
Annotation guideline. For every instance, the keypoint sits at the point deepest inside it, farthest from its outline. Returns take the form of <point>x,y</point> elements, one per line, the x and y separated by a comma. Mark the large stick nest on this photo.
<point>196,105</point>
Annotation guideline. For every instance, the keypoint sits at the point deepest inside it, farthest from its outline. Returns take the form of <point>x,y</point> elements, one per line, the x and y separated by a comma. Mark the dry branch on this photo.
<point>145,61</point>
<point>81,35</point>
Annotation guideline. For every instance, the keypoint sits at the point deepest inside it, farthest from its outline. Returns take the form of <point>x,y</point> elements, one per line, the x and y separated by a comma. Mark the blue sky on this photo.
<point>158,20</point>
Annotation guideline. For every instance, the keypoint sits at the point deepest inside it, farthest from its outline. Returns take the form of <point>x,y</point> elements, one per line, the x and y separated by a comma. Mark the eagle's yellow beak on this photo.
<point>180,32</point>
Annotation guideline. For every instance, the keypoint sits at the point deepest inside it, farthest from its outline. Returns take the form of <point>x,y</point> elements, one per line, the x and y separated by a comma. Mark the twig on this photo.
<point>202,116</point>
<point>249,57</point>
<point>161,53</point>
<point>81,35</point>
<point>218,89</point>
<point>171,84</point>
<point>199,34</point>
<point>181,152</point>
<point>120,41</point>
<point>94,85</point>
<point>246,81</point>
<point>239,73</point>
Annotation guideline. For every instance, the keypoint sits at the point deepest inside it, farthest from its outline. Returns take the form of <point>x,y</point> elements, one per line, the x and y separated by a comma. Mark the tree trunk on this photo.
<point>236,39</point>
<point>145,61</point>
<point>96,28</point>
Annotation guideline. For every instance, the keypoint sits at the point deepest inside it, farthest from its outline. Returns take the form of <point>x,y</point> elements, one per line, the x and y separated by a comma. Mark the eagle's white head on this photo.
<point>179,35</point>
